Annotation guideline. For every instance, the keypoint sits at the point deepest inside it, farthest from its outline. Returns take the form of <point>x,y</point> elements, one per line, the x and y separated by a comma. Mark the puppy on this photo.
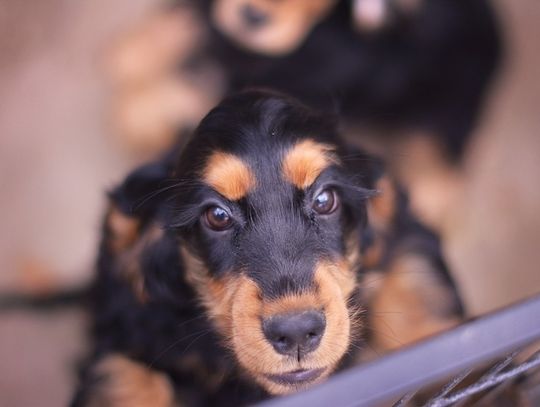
<point>235,268</point>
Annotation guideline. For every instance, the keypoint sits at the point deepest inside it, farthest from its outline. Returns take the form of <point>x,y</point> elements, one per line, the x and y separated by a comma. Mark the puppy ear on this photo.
<point>381,207</point>
<point>360,164</point>
<point>383,211</point>
<point>163,271</point>
<point>142,191</point>
<point>143,252</point>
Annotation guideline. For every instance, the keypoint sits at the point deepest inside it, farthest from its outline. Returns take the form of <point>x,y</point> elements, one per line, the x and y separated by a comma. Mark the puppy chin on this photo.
<point>292,382</point>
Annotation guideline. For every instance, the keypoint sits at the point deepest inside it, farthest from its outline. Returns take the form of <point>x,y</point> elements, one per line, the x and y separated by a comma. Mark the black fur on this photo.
<point>275,238</point>
<point>426,72</point>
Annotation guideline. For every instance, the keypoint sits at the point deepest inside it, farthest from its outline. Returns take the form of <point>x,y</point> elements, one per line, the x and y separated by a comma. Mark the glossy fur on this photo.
<point>180,309</point>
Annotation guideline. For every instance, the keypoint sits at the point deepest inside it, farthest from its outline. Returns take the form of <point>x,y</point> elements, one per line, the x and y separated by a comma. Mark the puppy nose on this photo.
<point>253,17</point>
<point>296,333</point>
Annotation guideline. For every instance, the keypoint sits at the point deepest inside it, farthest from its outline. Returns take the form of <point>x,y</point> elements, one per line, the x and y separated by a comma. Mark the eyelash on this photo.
<point>189,215</point>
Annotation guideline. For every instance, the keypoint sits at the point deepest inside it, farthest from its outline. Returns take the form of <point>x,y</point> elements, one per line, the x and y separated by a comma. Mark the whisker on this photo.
<point>176,342</point>
<point>385,335</point>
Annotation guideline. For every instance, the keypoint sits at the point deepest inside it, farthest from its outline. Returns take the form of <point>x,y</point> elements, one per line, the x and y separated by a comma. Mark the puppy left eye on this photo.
<point>326,202</point>
<point>218,218</point>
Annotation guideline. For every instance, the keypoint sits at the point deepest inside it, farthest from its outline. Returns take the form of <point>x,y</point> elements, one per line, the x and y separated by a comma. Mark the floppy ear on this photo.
<point>143,252</point>
<point>364,166</point>
<point>381,207</point>
<point>134,196</point>
<point>163,272</point>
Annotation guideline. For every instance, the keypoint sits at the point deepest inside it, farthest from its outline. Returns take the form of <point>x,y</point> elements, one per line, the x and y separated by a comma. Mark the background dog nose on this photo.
<point>295,334</point>
<point>253,17</point>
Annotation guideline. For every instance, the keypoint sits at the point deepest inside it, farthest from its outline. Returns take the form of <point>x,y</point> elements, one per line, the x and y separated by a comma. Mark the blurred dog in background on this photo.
<point>410,76</point>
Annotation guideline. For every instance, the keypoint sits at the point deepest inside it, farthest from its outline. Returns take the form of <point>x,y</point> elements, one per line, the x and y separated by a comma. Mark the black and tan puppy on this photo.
<point>233,269</point>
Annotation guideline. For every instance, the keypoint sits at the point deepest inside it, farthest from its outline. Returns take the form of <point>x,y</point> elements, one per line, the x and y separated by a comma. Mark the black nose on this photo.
<point>253,17</point>
<point>295,334</point>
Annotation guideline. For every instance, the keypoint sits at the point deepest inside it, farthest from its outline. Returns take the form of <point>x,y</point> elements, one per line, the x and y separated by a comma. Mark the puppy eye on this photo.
<point>326,202</point>
<point>217,218</point>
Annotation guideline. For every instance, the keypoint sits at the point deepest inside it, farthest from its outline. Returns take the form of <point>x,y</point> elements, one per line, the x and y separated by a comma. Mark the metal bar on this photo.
<point>392,376</point>
<point>448,388</point>
<point>499,366</point>
<point>492,381</point>
<point>402,402</point>
<point>491,373</point>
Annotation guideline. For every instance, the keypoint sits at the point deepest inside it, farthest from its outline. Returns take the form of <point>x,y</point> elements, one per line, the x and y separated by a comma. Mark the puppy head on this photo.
<point>268,213</point>
<point>268,26</point>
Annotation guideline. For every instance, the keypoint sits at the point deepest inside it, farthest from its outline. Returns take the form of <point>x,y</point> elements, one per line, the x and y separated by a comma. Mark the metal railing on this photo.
<point>499,338</point>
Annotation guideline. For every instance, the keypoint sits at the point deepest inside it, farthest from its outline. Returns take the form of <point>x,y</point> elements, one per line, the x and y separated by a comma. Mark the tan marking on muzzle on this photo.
<point>215,294</point>
<point>334,285</point>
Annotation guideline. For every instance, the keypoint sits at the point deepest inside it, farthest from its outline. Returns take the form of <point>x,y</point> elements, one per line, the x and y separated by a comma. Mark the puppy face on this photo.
<point>268,216</point>
<point>268,26</point>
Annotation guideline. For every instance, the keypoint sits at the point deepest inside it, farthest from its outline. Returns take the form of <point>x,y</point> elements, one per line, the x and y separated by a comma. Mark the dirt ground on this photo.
<point>57,159</point>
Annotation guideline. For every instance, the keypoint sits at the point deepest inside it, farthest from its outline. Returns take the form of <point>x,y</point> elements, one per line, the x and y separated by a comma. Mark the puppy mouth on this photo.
<point>296,377</point>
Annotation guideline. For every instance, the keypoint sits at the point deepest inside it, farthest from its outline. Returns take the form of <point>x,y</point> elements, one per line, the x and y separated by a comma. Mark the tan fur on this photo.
<point>216,294</point>
<point>382,210</point>
<point>291,303</point>
<point>129,260</point>
<point>236,307</point>
<point>383,207</point>
<point>228,175</point>
<point>374,254</point>
<point>353,257</point>
<point>410,304</point>
<point>334,284</point>
<point>126,383</point>
<point>123,230</point>
<point>211,377</point>
<point>304,162</point>
<point>289,23</point>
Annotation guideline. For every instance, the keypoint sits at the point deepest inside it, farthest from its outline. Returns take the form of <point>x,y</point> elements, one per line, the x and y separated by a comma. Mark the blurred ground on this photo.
<point>56,159</point>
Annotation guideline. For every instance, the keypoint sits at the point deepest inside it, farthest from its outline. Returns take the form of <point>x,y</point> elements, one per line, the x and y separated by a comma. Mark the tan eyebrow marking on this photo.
<point>305,161</point>
<point>228,175</point>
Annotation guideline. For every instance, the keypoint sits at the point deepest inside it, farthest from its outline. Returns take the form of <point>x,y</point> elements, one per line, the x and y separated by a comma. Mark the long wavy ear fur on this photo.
<point>144,196</point>
<point>145,188</point>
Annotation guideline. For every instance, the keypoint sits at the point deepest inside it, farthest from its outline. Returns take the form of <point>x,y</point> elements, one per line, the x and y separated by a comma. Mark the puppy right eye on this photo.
<point>326,202</point>
<point>217,218</point>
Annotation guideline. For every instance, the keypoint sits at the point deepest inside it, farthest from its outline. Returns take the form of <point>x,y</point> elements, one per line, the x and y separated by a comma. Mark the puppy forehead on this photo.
<point>229,174</point>
<point>298,163</point>
<point>304,161</point>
